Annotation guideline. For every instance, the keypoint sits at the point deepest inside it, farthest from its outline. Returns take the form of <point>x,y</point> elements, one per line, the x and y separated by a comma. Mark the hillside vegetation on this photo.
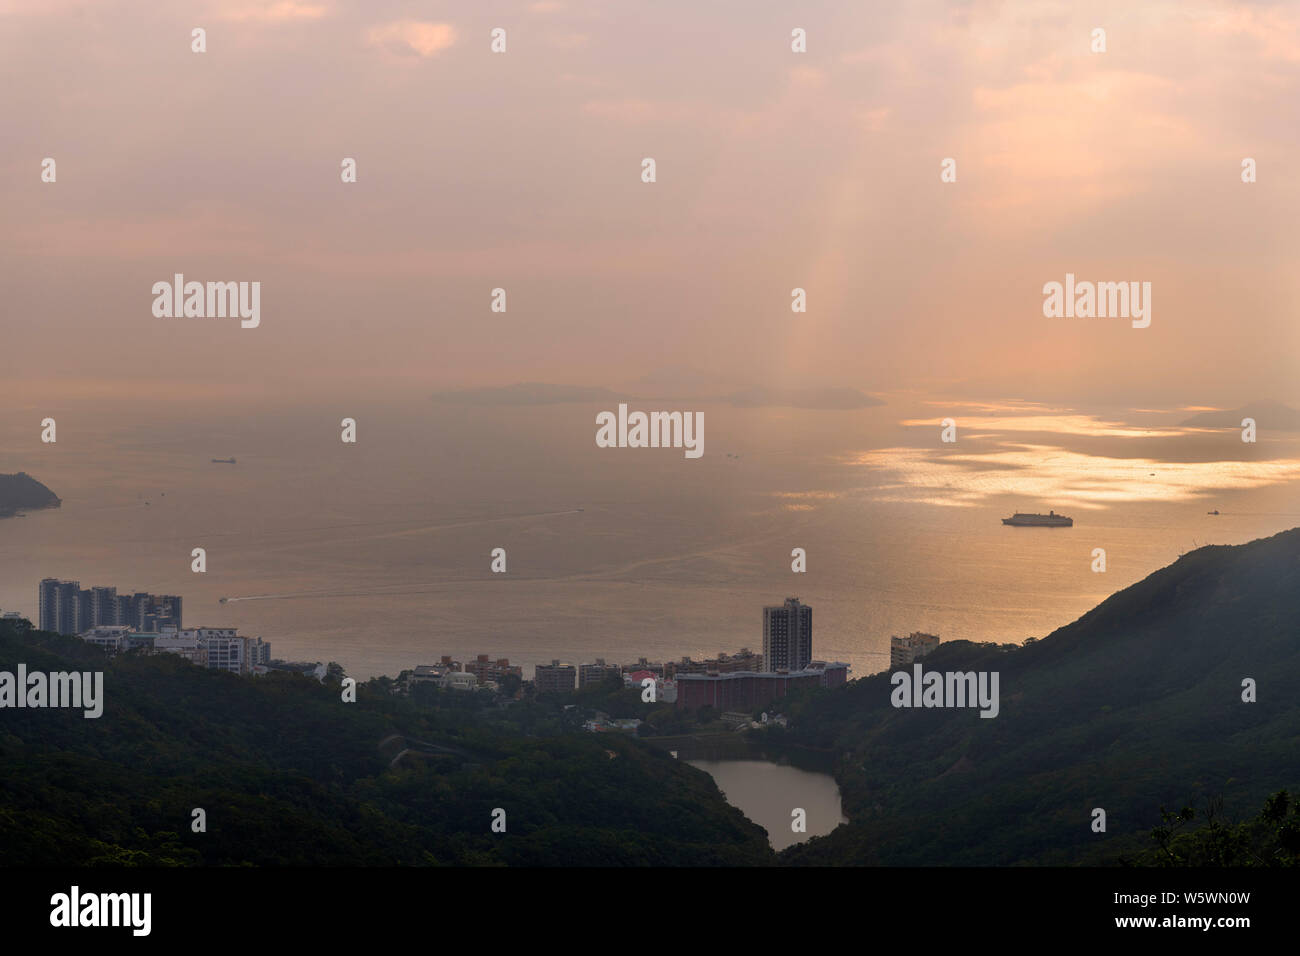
<point>288,774</point>
<point>1135,706</point>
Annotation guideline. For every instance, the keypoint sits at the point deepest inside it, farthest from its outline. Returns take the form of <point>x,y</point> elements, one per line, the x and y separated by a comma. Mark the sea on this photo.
<point>377,554</point>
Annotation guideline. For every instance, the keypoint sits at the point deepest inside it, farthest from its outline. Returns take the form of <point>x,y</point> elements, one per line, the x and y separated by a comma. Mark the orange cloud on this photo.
<point>275,11</point>
<point>404,37</point>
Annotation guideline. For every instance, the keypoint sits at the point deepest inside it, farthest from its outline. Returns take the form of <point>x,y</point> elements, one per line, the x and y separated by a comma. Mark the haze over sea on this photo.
<point>377,555</point>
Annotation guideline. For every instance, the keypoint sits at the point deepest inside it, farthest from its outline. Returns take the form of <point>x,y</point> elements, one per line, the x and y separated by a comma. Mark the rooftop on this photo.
<point>736,675</point>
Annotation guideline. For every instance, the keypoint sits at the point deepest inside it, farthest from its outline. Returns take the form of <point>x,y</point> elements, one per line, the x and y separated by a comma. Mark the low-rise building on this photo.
<point>644,665</point>
<point>426,674</point>
<point>259,652</point>
<point>748,691</point>
<point>665,690</point>
<point>226,650</point>
<point>555,678</point>
<point>903,651</point>
<point>119,637</point>
<point>597,672</point>
<point>488,670</point>
<point>141,641</point>
<point>314,669</point>
<point>111,637</point>
<point>636,678</point>
<point>460,680</point>
<point>188,647</point>
<point>218,648</point>
<point>745,660</point>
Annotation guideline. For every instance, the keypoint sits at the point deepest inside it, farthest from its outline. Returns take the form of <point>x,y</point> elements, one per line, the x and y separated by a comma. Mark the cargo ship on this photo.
<point>223,461</point>
<point>1049,520</point>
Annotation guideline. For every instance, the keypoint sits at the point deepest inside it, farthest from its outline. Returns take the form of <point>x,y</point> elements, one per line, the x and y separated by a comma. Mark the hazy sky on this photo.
<point>775,170</point>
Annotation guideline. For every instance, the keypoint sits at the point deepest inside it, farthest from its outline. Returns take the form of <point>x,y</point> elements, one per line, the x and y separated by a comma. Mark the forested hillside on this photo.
<point>1135,706</point>
<point>289,774</point>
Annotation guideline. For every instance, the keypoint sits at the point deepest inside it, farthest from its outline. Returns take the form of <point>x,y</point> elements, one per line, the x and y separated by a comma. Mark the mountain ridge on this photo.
<point>1135,705</point>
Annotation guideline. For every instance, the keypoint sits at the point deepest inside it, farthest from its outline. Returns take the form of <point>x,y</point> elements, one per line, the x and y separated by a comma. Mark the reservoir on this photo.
<point>767,792</point>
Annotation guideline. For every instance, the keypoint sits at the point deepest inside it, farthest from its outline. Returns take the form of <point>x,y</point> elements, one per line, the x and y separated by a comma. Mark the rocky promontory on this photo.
<point>22,492</point>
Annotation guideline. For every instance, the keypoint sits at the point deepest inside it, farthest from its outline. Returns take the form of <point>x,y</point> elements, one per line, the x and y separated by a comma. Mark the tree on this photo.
<point>509,685</point>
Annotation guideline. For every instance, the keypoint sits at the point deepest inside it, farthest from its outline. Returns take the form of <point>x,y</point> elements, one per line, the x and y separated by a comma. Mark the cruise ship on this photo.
<point>1049,520</point>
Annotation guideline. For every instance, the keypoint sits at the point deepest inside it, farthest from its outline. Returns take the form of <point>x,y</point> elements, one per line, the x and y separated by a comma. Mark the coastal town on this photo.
<point>735,685</point>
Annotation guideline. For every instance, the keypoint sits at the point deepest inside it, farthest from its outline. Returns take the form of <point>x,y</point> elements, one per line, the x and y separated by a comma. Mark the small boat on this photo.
<point>223,461</point>
<point>1214,512</point>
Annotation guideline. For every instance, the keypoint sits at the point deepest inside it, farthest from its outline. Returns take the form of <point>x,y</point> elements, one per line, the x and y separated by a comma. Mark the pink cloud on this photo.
<point>404,37</point>
<point>271,11</point>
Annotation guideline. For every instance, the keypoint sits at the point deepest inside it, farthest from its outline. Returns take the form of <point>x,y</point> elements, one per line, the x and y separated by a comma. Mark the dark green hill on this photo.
<point>1135,705</point>
<point>23,491</point>
<point>289,774</point>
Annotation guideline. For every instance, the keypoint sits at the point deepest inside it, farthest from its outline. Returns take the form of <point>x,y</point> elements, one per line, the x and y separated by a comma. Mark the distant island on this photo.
<point>1272,415</point>
<point>820,399</point>
<point>539,393</point>
<point>526,393</point>
<point>23,492</point>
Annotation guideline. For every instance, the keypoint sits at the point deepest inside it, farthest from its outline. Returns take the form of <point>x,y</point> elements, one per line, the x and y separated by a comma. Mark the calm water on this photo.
<point>377,554</point>
<point>768,793</point>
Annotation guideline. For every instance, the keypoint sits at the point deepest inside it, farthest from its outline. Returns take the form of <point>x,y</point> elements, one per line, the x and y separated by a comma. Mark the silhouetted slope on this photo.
<point>1134,705</point>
